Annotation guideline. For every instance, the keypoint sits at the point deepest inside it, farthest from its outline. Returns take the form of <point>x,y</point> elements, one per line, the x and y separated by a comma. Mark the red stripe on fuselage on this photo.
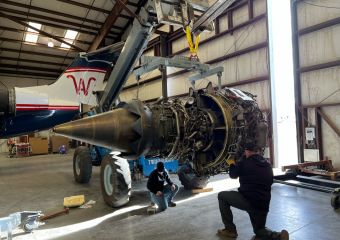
<point>63,108</point>
<point>40,107</point>
<point>85,69</point>
<point>34,105</point>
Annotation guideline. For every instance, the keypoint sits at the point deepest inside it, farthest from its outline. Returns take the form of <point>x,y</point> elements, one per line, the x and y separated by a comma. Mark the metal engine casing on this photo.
<point>205,129</point>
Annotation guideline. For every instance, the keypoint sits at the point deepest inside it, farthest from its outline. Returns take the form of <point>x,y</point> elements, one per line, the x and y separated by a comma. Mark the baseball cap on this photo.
<point>160,166</point>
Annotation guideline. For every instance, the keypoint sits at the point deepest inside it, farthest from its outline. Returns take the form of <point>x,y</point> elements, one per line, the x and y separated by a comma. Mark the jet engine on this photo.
<point>204,129</point>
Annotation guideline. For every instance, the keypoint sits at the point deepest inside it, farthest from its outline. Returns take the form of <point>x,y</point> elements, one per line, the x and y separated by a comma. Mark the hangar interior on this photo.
<point>241,44</point>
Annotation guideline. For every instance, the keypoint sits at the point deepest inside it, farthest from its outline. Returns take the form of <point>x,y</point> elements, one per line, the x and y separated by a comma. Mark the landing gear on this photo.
<point>115,180</point>
<point>82,165</point>
<point>189,179</point>
<point>335,200</point>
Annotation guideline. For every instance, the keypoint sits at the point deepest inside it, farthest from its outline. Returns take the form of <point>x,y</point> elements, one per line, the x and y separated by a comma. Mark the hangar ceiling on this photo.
<point>81,24</point>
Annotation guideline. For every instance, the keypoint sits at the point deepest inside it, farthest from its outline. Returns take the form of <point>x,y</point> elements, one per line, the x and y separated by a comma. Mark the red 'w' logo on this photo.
<point>80,86</point>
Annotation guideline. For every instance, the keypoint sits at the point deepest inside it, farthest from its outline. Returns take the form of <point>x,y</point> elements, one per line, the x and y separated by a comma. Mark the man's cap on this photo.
<point>250,145</point>
<point>160,166</point>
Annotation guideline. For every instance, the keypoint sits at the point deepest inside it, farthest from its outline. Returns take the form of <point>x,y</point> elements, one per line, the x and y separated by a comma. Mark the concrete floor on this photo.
<point>41,183</point>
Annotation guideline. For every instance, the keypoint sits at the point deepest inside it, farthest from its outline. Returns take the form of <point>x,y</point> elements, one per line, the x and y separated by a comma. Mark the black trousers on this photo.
<point>227,199</point>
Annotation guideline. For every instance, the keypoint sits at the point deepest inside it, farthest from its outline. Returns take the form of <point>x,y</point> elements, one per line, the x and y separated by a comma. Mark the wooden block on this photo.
<point>202,190</point>
<point>151,210</point>
<point>74,201</point>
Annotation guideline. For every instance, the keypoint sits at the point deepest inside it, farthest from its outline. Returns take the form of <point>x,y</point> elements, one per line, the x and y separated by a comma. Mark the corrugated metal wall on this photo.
<point>239,45</point>
<point>318,24</point>
<point>10,82</point>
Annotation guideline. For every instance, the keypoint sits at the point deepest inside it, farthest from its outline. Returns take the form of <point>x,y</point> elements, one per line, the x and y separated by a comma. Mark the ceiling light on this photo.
<point>70,34</point>
<point>29,37</point>
<point>64,45</point>
<point>35,25</point>
<point>50,44</point>
<point>33,38</point>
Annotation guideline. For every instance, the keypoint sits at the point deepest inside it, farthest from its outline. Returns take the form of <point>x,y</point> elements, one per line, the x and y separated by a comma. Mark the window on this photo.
<point>31,35</point>
<point>69,37</point>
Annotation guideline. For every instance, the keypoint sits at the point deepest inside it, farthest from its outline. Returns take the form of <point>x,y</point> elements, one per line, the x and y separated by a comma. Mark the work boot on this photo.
<point>172,204</point>
<point>283,235</point>
<point>227,232</point>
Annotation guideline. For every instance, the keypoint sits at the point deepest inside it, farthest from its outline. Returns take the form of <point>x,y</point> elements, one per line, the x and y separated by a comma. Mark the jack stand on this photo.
<point>293,178</point>
<point>27,220</point>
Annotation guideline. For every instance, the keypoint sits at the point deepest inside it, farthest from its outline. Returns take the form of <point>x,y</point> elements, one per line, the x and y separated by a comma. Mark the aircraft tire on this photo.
<point>82,165</point>
<point>115,178</point>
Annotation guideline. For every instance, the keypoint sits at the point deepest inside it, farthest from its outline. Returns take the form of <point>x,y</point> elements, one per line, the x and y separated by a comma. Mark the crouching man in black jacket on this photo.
<point>161,193</point>
<point>256,177</point>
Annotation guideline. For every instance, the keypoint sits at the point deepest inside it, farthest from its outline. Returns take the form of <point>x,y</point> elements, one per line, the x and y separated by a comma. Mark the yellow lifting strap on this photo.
<point>193,49</point>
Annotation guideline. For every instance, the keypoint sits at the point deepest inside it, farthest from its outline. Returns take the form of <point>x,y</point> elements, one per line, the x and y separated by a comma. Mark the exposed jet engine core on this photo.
<point>205,129</point>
